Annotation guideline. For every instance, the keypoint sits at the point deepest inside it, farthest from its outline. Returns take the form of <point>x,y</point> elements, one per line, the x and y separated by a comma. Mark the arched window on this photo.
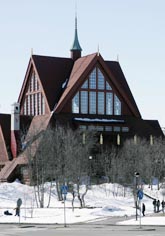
<point>96,96</point>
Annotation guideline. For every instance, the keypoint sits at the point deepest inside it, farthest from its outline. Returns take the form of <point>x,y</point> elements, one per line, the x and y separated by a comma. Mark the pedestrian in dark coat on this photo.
<point>17,211</point>
<point>154,204</point>
<point>158,205</point>
<point>163,205</point>
<point>143,209</point>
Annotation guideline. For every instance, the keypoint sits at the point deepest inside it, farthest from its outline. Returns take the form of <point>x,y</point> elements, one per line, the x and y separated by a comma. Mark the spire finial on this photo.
<point>76,9</point>
<point>75,15</point>
<point>76,48</point>
<point>31,51</point>
<point>98,50</point>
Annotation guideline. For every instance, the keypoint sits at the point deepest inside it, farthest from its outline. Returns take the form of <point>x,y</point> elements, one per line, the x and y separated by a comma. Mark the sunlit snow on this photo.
<point>102,201</point>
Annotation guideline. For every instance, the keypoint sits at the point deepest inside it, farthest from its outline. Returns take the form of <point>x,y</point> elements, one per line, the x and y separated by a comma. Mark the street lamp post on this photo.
<point>90,169</point>
<point>136,190</point>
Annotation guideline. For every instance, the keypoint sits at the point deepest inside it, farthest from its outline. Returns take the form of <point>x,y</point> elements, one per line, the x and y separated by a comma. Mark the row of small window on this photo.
<point>96,81</point>
<point>34,104</point>
<point>33,85</point>
<point>104,128</point>
<point>91,102</point>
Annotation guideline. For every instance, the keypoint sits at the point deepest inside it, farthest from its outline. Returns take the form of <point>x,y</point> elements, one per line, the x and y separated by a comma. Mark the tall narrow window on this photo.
<point>101,80</point>
<point>39,103</point>
<point>92,80</point>
<point>117,106</point>
<point>101,103</point>
<point>92,104</point>
<point>32,104</point>
<point>84,102</point>
<point>36,104</point>
<point>75,104</point>
<point>32,82</point>
<point>109,103</point>
<point>28,103</point>
<point>25,107</point>
<point>35,84</point>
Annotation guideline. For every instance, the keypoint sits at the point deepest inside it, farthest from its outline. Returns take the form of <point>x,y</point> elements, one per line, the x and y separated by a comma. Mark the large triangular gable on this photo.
<point>81,70</point>
<point>31,67</point>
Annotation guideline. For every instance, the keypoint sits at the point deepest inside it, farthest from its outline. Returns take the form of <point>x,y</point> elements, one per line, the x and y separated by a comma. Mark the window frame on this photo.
<point>106,89</point>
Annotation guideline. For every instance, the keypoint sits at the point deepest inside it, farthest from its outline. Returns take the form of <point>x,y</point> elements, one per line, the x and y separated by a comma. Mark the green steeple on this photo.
<point>76,46</point>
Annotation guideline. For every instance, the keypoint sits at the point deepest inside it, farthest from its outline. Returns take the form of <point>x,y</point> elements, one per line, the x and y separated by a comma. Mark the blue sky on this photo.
<point>132,30</point>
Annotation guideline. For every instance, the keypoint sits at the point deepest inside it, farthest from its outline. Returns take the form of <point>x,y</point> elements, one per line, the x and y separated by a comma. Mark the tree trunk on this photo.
<point>50,192</point>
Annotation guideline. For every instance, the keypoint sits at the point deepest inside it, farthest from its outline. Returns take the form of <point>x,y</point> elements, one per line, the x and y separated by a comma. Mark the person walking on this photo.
<point>163,205</point>
<point>154,204</point>
<point>143,209</point>
<point>158,205</point>
<point>17,211</point>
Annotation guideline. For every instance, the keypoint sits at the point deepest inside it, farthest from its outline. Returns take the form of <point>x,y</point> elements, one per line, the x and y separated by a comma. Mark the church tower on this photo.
<point>76,48</point>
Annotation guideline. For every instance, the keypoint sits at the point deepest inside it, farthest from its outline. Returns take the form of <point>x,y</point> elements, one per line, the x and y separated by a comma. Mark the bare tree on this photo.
<point>63,157</point>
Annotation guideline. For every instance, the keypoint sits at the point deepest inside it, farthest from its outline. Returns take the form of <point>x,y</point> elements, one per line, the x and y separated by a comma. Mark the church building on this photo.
<point>84,92</point>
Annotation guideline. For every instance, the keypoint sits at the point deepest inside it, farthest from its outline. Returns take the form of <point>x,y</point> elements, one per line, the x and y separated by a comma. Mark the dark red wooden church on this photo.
<point>86,92</point>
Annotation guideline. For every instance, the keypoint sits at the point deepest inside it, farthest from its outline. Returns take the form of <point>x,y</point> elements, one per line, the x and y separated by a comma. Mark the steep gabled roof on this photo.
<point>116,70</point>
<point>52,73</point>
<point>81,69</point>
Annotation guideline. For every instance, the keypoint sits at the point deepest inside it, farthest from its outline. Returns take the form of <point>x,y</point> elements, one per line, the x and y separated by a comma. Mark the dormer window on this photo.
<point>96,96</point>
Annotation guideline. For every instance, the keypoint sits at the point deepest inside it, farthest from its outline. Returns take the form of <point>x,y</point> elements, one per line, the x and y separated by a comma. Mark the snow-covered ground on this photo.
<point>103,201</point>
